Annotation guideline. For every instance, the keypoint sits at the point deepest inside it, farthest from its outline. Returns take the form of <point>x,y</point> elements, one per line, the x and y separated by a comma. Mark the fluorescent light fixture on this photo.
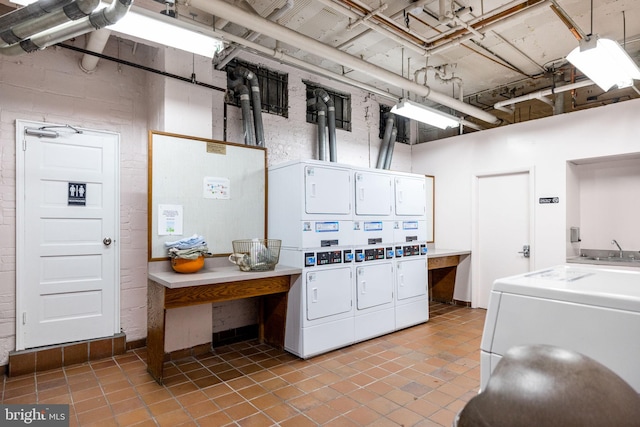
<point>161,29</point>
<point>605,62</point>
<point>424,114</point>
<point>167,31</point>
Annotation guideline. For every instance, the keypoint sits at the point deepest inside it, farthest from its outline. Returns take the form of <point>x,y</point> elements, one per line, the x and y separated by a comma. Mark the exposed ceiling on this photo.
<point>484,51</point>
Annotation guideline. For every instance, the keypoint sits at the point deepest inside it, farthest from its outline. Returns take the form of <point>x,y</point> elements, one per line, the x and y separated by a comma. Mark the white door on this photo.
<point>373,194</point>
<point>327,190</point>
<point>328,292</point>
<point>411,277</point>
<point>503,230</point>
<point>374,285</point>
<point>67,236</point>
<point>410,196</point>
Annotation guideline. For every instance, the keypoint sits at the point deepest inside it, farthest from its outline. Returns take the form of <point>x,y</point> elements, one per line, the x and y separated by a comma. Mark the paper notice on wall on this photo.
<point>216,188</point>
<point>170,220</point>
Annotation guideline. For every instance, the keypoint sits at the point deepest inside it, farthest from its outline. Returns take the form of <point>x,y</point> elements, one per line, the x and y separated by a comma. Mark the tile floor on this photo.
<point>420,376</point>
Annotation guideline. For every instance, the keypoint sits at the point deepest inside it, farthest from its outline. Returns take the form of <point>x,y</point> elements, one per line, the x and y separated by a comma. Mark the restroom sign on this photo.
<point>77,194</point>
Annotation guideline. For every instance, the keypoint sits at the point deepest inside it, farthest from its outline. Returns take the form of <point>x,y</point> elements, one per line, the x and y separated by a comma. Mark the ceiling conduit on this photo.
<point>232,51</point>
<point>386,138</point>
<point>502,105</point>
<point>96,20</point>
<point>96,43</point>
<point>226,11</point>
<point>298,63</point>
<point>17,31</point>
<point>323,96</point>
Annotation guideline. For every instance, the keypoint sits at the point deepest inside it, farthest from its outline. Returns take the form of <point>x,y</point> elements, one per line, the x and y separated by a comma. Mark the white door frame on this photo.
<point>475,240</point>
<point>21,125</point>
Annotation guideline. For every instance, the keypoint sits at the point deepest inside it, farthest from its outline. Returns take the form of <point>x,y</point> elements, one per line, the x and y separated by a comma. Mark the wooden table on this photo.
<point>167,290</point>
<point>442,266</point>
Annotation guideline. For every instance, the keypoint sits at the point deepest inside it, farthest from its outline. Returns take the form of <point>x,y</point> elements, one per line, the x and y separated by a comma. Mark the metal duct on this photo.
<point>232,51</point>
<point>386,138</point>
<point>242,90</point>
<point>256,102</point>
<point>96,43</point>
<point>22,30</point>
<point>320,107</point>
<point>29,12</point>
<point>224,10</point>
<point>98,19</point>
<point>331,122</point>
<point>392,144</point>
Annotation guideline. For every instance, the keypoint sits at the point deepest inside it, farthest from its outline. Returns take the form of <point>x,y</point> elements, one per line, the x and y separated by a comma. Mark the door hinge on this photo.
<point>24,317</point>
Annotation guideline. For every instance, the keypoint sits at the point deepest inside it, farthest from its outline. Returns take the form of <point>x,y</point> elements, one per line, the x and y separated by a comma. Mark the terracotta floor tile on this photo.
<point>421,376</point>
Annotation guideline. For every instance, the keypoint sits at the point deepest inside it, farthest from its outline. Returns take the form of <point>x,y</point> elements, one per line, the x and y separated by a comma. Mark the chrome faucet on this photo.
<point>613,242</point>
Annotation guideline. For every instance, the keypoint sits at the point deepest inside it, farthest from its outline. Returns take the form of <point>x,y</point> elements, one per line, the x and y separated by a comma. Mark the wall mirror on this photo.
<point>201,186</point>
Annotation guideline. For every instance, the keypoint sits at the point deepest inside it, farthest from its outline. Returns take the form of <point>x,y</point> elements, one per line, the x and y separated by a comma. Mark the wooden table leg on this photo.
<point>156,315</point>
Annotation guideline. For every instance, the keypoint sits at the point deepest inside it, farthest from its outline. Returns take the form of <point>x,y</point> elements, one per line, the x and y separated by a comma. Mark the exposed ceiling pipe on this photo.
<point>234,14</point>
<point>24,29</point>
<point>255,101</point>
<point>96,43</point>
<point>502,105</point>
<point>386,138</point>
<point>232,51</point>
<point>317,104</point>
<point>392,144</point>
<point>98,19</point>
<point>441,47</point>
<point>31,11</point>
<point>238,86</point>
<point>321,94</point>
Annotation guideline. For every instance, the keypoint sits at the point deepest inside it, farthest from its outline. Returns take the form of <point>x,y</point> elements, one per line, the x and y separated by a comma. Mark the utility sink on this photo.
<point>607,257</point>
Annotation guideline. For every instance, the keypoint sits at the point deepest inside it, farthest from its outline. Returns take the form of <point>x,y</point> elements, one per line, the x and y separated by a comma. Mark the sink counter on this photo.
<point>635,263</point>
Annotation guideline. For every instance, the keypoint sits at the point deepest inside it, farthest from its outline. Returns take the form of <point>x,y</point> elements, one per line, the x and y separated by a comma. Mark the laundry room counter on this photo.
<point>168,290</point>
<point>443,266</point>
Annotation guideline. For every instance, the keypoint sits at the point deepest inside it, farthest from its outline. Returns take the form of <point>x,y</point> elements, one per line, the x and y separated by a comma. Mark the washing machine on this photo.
<point>320,310</point>
<point>412,299</point>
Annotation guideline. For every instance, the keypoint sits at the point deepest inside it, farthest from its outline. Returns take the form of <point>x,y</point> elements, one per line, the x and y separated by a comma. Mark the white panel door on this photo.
<point>328,292</point>
<point>327,190</point>
<point>410,196</point>
<point>374,285</point>
<point>68,281</point>
<point>411,277</point>
<point>373,194</point>
<point>503,221</point>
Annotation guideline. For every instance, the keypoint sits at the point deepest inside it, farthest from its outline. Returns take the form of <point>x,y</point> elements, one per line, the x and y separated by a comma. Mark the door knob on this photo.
<point>526,251</point>
<point>106,241</point>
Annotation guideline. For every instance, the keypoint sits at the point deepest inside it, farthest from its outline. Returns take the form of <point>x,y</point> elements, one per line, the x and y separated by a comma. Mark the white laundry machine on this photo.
<point>412,298</point>
<point>594,311</point>
<point>320,309</point>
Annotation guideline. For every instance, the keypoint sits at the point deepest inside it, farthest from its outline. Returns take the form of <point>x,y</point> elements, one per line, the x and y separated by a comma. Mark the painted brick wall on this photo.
<point>49,86</point>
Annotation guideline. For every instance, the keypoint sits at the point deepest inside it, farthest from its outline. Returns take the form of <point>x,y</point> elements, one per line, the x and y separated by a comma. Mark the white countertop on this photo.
<point>216,274</point>
<point>438,252</point>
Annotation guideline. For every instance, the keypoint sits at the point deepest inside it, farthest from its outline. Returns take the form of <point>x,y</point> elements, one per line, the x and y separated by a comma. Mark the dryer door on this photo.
<point>328,292</point>
<point>411,277</point>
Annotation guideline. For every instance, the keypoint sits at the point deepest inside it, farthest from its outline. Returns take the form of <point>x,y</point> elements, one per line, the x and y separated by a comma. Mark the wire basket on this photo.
<point>256,254</point>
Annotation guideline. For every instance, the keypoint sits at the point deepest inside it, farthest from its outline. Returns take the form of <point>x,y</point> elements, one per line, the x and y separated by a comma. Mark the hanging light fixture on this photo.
<point>604,61</point>
<point>424,114</point>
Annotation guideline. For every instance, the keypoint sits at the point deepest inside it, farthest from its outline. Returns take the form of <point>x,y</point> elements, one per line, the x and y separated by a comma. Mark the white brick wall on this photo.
<point>49,86</point>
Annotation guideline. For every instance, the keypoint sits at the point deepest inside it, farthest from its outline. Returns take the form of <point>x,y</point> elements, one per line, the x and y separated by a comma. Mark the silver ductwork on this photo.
<point>321,94</point>
<point>323,104</point>
<point>96,20</point>
<point>319,106</point>
<point>12,31</point>
<point>238,87</point>
<point>392,144</point>
<point>386,141</point>
<point>256,102</point>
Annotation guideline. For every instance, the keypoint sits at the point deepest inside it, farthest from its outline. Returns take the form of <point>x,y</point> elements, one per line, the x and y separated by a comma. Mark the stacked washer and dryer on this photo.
<point>360,237</point>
